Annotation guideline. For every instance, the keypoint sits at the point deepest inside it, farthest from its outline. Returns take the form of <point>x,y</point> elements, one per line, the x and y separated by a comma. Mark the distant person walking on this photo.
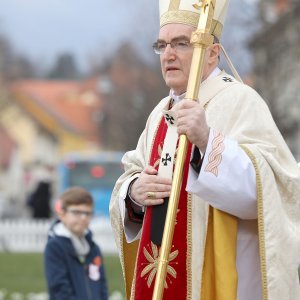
<point>73,261</point>
<point>40,197</point>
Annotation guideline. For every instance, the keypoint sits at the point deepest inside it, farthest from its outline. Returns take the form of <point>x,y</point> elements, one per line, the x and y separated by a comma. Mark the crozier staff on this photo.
<point>237,229</point>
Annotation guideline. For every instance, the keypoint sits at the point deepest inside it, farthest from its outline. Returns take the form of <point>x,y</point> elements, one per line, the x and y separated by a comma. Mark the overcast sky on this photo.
<point>42,29</point>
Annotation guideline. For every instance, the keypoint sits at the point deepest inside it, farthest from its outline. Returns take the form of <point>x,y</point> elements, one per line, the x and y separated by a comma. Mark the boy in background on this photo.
<point>73,262</point>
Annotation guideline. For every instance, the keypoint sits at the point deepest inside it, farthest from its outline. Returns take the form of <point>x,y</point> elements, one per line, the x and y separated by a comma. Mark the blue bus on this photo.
<point>97,173</point>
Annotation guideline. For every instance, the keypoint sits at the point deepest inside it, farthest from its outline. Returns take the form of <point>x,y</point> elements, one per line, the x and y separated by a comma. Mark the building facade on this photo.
<point>40,122</point>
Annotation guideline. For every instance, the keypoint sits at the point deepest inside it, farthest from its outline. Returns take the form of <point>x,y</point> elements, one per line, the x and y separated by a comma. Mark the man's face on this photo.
<point>175,64</point>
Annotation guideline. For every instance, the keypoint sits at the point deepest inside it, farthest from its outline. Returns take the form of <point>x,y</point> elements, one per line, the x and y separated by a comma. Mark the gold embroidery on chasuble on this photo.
<point>177,279</point>
<point>177,212</point>
<point>189,247</point>
<point>215,156</point>
<point>159,151</point>
<point>152,256</point>
<point>151,251</point>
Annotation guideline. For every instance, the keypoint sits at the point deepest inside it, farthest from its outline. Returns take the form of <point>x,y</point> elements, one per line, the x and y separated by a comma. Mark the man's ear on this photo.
<point>214,52</point>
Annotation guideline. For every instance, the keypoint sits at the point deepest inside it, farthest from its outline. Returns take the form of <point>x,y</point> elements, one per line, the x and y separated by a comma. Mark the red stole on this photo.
<point>146,266</point>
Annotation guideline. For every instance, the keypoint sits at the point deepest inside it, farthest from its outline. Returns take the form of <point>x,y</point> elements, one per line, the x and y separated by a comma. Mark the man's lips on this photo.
<point>171,69</point>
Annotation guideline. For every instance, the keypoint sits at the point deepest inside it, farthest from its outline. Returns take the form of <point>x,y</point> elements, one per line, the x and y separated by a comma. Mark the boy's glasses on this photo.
<point>80,213</point>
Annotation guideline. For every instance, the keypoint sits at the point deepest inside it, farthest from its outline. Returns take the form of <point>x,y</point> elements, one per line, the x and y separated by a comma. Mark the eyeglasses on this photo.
<point>179,45</point>
<point>79,213</point>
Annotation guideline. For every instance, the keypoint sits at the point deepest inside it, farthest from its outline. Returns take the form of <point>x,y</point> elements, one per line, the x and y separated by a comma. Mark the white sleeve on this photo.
<point>227,179</point>
<point>132,230</point>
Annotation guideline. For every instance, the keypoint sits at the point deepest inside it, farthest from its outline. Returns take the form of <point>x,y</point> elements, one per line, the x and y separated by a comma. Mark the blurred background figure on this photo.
<point>40,196</point>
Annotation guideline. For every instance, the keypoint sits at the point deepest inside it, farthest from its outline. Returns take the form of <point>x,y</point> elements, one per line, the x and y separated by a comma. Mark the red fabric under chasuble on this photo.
<point>146,267</point>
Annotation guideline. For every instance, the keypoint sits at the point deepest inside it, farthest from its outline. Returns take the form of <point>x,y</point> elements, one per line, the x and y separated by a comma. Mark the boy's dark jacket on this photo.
<point>67,277</point>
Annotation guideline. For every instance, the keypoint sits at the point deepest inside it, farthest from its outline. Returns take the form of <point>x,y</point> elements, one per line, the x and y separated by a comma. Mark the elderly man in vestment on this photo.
<point>237,232</point>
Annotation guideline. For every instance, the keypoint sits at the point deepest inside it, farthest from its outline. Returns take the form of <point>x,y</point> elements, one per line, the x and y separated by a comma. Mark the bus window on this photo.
<point>96,174</point>
<point>92,175</point>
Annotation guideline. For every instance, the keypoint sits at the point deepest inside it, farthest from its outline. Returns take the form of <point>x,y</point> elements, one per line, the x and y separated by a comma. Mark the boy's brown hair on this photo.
<point>75,196</point>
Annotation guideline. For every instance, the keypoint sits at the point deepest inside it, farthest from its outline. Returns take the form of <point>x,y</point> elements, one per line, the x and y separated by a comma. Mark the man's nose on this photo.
<point>169,51</point>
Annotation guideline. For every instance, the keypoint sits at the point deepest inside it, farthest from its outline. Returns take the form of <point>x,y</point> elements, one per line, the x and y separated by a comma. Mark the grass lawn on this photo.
<point>24,273</point>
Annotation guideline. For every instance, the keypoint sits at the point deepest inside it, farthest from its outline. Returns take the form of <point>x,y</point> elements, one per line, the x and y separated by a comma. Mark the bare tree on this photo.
<point>12,65</point>
<point>277,66</point>
<point>135,89</point>
<point>65,67</point>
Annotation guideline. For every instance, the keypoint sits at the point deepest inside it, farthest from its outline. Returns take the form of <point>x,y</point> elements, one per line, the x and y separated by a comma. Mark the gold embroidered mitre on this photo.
<point>187,12</point>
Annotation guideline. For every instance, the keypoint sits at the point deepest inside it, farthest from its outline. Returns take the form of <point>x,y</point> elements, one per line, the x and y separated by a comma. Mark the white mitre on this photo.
<point>186,12</point>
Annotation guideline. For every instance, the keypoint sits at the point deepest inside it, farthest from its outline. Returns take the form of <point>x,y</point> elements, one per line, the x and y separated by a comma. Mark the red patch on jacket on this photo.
<point>97,261</point>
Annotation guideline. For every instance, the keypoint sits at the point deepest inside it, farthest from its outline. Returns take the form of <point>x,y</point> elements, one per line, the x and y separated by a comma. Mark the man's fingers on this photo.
<point>153,202</point>
<point>146,179</point>
<point>156,195</point>
<point>154,187</point>
<point>150,170</point>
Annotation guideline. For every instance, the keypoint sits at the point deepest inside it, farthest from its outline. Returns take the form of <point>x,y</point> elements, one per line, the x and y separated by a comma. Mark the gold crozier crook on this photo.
<point>200,39</point>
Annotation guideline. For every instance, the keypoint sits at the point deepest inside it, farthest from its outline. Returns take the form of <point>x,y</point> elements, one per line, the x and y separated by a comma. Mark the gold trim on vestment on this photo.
<point>132,294</point>
<point>189,240</point>
<point>159,151</point>
<point>189,18</point>
<point>154,136</point>
<point>129,255</point>
<point>261,231</point>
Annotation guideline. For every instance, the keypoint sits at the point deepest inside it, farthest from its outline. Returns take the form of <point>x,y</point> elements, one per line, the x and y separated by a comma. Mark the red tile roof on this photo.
<point>72,104</point>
